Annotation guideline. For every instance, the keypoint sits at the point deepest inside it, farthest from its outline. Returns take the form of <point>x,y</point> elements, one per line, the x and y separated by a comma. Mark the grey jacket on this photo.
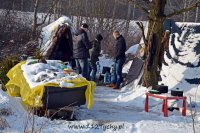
<point>82,46</point>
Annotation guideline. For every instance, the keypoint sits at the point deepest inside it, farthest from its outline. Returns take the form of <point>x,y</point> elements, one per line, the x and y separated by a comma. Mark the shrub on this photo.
<point>5,65</point>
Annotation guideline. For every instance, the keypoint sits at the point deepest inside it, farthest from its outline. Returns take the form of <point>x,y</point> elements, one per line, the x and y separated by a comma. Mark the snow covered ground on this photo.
<point>123,110</point>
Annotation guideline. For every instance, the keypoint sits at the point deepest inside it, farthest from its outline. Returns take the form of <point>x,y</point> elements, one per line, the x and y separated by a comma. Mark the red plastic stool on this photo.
<point>165,102</point>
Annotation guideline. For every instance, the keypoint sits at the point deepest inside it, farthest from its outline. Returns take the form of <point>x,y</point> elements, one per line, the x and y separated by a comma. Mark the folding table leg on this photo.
<point>165,108</point>
<point>147,103</point>
<point>184,108</point>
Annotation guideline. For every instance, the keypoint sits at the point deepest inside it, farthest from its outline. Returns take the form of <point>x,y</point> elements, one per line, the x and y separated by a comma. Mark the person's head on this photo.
<point>99,37</point>
<point>84,26</point>
<point>116,34</point>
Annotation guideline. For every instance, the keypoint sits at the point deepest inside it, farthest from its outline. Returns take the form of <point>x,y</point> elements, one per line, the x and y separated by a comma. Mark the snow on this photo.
<point>123,110</point>
<point>52,72</point>
<point>132,50</point>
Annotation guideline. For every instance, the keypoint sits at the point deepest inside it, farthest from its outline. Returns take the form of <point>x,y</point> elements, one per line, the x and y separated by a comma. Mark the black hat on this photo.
<point>84,25</point>
<point>99,37</point>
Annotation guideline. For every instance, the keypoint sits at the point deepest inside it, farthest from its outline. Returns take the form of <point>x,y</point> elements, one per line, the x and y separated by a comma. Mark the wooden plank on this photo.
<point>134,70</point>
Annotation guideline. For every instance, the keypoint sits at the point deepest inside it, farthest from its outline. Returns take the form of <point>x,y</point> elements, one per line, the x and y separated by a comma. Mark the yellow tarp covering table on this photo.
<point>18,87</point>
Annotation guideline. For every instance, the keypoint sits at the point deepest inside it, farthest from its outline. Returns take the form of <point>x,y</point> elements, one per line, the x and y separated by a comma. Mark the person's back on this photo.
<point>81,50</point>
<point>96,49</point>
<point>94,55</point>
<point>81,46</point>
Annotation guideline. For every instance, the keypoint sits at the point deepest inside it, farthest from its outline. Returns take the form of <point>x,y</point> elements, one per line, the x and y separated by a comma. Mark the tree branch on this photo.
<point>147,1</point>
<point>46,15</point>
<point>140,24</point>
<point>197,4</point>
<point>139,6</point>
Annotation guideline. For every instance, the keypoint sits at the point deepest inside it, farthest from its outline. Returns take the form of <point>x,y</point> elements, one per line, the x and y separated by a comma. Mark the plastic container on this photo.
<point>67,71</point>
<point>107,78</point>
<point>98,67</point>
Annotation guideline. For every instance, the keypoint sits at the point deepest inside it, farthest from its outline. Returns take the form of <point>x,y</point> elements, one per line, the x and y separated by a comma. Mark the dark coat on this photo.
<point>95,51</point>
<point>82,46</point>
<point>120,47</point>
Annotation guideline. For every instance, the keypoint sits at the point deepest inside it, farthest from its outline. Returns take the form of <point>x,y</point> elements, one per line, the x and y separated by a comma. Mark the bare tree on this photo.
<point>22,5</point>
<point>196,14</point>
<point>35,22</point>
<point>128,18</point>
<point>184,14</point>
<point>155,10</point>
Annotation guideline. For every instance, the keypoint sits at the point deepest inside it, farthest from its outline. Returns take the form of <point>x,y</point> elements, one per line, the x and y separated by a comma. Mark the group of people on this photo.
<point>87,53</point>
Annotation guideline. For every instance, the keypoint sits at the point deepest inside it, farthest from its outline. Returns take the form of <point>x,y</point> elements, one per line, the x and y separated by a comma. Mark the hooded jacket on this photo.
<point>82,45</point>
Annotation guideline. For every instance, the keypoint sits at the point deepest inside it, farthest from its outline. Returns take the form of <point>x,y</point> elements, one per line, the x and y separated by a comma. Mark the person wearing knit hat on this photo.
<point>84,25</point>
<point>81,46</point>
<point>94,56</point>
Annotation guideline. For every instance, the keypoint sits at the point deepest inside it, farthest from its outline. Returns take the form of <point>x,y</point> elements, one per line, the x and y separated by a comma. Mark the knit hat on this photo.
<point>84,25</point>
<point>99,37</point>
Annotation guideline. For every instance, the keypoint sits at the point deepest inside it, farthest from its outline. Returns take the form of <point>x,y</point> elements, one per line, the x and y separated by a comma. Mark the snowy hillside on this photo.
<point>123,111</point>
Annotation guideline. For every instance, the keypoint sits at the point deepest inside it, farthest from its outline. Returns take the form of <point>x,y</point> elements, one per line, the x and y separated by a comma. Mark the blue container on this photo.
<point>107,78</point>
<point>98,67</point>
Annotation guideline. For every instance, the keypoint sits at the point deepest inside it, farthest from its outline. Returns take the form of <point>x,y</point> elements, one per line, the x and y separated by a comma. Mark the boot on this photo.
<point>116,87</point>
<point>111,85</point>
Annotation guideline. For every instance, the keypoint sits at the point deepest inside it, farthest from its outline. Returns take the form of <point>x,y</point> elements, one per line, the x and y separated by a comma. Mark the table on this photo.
<point>165,99</point>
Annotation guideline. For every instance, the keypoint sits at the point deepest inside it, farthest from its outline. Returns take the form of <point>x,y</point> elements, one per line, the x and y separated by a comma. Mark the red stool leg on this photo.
<point>147,103</point>
<point>165,108</point>
<point>163,105</point>
<point>184,107</point>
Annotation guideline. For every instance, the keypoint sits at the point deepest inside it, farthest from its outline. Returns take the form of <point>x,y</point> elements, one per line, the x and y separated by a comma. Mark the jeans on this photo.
<point>82,65</point>
<point>92,71</point>
<point>116,76</point>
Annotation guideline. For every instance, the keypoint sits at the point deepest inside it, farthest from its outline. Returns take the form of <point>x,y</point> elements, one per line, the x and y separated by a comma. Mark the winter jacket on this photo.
<point>120,48</point>
<point>95,51</point>
<point>82,46</point>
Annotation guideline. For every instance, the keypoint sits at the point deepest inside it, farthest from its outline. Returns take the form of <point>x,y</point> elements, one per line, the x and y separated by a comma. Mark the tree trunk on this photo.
<point>59,10</point>
<point>128,18</point>
<point>156,19</point>
<point>55,9</point>
<point>184,14</point>
<point>34,27</point>
<point>113,14</point>
<point>22,5</point>
<point>188,12</point>
<point>197,13</point>
<point>13,6</point>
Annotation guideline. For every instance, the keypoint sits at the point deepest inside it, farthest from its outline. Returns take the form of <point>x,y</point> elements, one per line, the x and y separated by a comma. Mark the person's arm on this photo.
<point>86,41</point>
<point>96,49</point>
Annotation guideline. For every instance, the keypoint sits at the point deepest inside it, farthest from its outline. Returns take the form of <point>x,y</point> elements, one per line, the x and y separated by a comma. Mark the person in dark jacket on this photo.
<point>120,49</point>
<point>81,50</point>
<point>94,56</point>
